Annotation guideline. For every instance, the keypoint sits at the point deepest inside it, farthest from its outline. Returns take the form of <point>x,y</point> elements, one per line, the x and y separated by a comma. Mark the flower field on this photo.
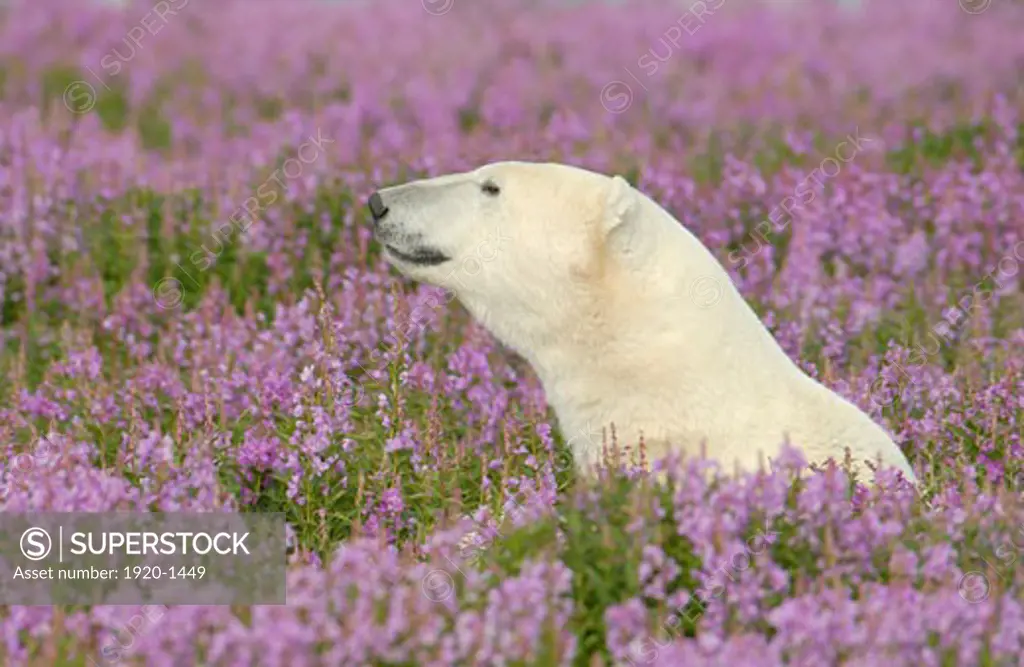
<point>194,317</point>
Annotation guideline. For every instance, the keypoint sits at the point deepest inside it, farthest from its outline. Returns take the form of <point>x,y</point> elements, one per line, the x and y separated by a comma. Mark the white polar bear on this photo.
<point>628,320</point>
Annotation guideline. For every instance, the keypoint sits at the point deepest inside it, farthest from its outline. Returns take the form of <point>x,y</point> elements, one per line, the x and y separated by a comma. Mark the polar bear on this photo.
<point>628,320</point>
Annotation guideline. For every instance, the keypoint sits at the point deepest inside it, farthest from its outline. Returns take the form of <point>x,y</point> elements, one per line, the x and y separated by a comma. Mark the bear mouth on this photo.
<point>419,257</point>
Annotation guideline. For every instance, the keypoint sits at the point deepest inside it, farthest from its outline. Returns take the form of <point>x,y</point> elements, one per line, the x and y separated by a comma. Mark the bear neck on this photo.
<point>660,322</point>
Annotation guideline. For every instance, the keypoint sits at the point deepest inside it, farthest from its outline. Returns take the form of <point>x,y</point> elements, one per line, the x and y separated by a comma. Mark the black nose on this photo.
<point>377,208</point>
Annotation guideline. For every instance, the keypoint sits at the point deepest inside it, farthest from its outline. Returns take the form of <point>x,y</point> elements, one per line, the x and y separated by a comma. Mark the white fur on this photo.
<point>628,320</point>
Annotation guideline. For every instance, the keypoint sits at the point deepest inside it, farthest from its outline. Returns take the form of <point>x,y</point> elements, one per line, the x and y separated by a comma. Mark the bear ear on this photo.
<point>621,199</point>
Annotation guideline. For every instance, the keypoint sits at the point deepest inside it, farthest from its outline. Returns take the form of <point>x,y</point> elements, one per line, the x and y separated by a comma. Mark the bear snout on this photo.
<point>378,211</point>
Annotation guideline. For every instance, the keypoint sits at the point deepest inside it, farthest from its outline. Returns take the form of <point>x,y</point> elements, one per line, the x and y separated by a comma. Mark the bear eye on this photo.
<point>489,188</point>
